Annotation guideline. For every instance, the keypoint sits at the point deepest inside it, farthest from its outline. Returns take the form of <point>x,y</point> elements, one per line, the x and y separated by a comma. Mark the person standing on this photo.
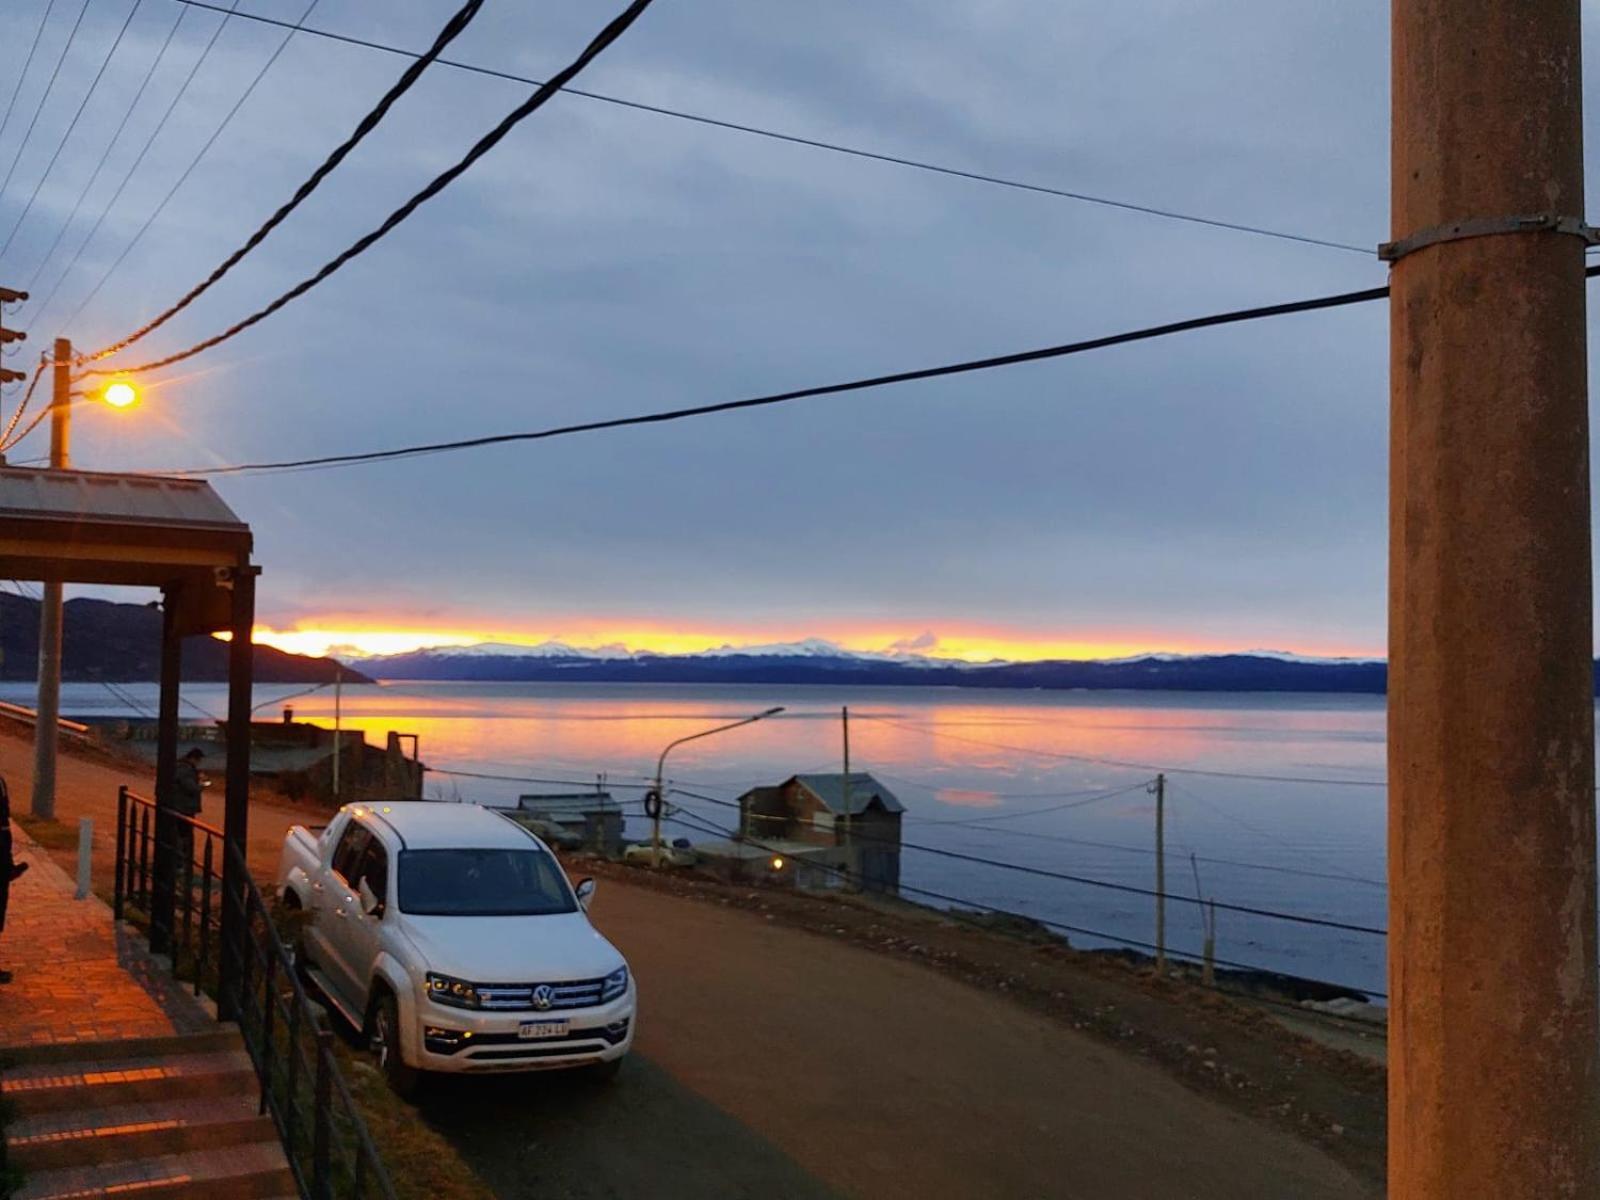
<point>10,868</point>
<point>186,791</point>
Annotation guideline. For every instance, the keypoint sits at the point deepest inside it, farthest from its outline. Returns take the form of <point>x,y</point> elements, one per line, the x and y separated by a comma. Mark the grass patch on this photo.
<point>423,1164</point>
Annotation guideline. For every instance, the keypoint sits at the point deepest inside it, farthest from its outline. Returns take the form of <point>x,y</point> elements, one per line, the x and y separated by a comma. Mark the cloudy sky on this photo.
<point>1214,490</point>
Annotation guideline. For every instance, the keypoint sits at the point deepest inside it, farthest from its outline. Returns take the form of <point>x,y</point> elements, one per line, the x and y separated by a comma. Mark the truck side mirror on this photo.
<point>585,891</point>
<point>370,904</point>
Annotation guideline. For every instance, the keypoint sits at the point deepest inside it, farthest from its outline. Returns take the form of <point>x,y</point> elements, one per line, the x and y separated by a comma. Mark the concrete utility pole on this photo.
<point>48,708</point>
<point>1494,1084</point>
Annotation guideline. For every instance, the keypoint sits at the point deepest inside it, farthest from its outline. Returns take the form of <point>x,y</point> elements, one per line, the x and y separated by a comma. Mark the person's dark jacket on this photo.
<point>8,865</point>
<point>186,788</point>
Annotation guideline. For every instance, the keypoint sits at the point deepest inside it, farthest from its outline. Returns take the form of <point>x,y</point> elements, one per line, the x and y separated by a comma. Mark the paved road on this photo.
<point>778,1063</point>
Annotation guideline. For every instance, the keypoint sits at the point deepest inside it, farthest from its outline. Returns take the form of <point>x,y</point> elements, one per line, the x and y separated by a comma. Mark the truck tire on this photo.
<point>384,1037</point>
<point>604,1072</point>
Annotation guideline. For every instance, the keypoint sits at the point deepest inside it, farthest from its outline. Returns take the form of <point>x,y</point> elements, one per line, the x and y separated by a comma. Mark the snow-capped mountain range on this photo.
<point>817,660</point>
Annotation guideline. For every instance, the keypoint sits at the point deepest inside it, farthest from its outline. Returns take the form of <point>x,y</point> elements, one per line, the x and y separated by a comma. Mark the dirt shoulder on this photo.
<point>1217,1047</point>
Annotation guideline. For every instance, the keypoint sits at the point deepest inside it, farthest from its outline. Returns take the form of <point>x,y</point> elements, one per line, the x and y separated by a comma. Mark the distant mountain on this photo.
<point>122,643</point>
<point>816,661</point>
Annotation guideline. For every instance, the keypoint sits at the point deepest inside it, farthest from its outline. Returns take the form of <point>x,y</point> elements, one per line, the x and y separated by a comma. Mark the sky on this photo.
<point>1218,490</point>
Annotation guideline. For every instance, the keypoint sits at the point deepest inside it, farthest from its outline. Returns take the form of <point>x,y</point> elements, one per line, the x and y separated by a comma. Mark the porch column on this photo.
<point>162,906</point>
<point>236,821</point>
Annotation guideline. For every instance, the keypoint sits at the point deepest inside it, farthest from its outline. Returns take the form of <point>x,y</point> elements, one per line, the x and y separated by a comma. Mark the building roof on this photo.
<point>567,805</point>
<point>135,530</point>
<point>436,825</point>
<point>113,497</point>
<point>864,789</point>
<point>746,851</point>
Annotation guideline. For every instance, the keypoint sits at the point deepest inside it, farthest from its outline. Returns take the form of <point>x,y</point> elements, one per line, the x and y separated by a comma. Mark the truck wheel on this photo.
<point>604,1072</point>
<point>385,1041</point>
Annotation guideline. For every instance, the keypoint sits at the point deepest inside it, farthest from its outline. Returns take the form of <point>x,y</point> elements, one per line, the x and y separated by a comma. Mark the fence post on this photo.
<point>85,848</point>
<point>322,1120</point>
<point>119,872</point>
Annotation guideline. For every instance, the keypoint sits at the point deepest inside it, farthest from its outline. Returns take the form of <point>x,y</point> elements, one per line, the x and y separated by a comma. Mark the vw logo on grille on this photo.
<point>543,996</point>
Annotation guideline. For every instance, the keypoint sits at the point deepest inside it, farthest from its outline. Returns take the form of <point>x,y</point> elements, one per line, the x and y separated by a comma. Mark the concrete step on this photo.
<point>255,1171</point>
<point>121,1049</point>
<point>96,1136</point>
<point>140,1079</point>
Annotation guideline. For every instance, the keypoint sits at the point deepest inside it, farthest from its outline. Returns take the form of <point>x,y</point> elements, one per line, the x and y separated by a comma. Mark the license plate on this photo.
<point>529,1030</point>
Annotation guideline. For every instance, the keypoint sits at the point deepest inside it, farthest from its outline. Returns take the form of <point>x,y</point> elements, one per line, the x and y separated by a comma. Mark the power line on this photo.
<point>194,69</point>
<point>451,30</point>
<point>44,97</point>
<point>105,157</point>
<point>532,104</point>
<point>195,161</point>
<point>73,124</point>
<point>836,147</point>
<point>703,826</point>
<point>5,122</point>
<point>832,389</point>
<point>1086,881</point>
<point>5,439</point>
<point>1136,766</point>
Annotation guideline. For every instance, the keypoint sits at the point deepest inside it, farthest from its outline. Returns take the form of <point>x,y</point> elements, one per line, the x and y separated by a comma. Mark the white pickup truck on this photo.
<point>451,936</point>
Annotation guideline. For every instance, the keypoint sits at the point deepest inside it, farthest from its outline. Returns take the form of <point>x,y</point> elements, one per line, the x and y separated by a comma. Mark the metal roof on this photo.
<point>864,789</point>
<point>113,497</point>
<point>567,805</point>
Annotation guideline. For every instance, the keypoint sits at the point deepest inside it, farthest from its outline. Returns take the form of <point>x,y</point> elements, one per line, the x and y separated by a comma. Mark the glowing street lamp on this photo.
<point>119,393</point>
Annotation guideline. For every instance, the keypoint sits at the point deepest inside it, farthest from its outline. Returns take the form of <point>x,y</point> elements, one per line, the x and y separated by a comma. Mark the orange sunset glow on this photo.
<point>975,645</point>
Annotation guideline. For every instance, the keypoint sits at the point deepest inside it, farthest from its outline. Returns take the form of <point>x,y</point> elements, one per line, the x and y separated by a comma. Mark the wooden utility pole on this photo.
<point>47,710</point>
<point>1160,789</point>
<point>1494,1084</point>
<point>844,817</point>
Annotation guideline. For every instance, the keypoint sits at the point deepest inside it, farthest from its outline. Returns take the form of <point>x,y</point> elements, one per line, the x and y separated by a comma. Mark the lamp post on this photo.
<point>661,763</point>
<point>47,709</point>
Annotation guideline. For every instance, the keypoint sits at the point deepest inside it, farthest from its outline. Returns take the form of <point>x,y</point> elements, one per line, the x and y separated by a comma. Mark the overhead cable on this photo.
<point>193,162</point>
<point>105,157</point>
<point>836,147</point>
<point>453,28</point>
<point>44,97</point>
<point>127,176</point>
<point>532,104</point>
<point>72,125</point>
<point>1086,881</point>
<point>5,121</point>
<point>1133,766</point>
<point>703,826</point>
<point>832,389</point>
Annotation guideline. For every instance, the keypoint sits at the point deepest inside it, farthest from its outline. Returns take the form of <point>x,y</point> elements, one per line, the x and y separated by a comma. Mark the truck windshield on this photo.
<point>482,883</point>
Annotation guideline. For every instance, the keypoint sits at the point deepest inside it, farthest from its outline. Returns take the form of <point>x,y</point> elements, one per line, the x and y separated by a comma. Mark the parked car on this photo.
<point>452,938</point>
<point>678,854</point>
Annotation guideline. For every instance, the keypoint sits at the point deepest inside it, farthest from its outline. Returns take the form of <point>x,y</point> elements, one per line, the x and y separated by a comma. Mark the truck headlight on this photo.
<point>457,993</point>
<point>615,984</point>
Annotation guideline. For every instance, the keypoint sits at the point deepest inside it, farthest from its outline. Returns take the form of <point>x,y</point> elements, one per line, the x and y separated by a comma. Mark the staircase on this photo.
<point>168,1118</point>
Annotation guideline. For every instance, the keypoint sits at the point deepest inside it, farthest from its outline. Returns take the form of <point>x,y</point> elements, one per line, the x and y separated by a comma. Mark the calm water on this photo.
<point>1053,781</point>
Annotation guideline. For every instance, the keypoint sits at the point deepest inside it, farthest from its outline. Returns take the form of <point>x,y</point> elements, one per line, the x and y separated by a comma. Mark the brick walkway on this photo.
<point>78,978</point>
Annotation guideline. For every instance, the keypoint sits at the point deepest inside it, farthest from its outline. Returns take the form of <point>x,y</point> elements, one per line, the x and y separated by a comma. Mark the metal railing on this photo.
<point>183,907</point>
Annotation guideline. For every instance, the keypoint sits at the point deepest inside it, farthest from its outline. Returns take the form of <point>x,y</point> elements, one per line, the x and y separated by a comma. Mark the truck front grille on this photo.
<point>519,997</point>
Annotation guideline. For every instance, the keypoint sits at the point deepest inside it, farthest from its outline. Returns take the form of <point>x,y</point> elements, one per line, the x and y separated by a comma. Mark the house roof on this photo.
<point>864,789</point>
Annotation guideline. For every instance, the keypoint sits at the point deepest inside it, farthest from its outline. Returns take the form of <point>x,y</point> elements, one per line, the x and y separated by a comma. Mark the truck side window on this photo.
<point>374,868</point>
<point>347,854</point>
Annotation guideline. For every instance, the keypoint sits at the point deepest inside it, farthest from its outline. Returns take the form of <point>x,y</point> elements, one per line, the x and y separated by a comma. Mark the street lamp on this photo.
<point>661,763</point>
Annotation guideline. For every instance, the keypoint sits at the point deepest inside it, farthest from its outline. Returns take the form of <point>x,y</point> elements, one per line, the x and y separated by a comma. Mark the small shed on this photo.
<point>595,818</point>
